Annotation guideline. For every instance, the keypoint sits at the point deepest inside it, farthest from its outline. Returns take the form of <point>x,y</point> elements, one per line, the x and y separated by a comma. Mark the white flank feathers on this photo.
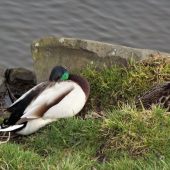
<point>33,125</point>
<point>70,105</point>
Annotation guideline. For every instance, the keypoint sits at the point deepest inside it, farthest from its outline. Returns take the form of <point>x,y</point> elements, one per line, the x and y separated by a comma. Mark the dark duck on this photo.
<point>158,95</point>
<point>63,96</point>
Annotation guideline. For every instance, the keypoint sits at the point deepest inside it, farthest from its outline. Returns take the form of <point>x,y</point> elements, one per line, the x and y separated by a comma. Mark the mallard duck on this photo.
<point>158,95</point>
<point>62,96</point>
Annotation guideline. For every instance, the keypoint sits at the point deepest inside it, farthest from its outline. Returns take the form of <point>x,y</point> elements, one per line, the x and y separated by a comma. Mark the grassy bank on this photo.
<point>120,137</point>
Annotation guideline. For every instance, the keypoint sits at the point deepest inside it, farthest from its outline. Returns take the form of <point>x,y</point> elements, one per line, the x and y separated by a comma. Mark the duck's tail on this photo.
<point>10,128</point>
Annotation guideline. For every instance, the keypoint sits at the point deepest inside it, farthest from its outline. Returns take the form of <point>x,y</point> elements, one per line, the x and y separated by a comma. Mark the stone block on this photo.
<point>77,53</point>
<point>2,81</point>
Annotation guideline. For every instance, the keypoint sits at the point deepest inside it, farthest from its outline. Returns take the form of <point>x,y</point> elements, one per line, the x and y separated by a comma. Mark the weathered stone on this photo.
<point>2,85</point>
<point>21,75</point>
<point>2,72</point>
<point>2,81</point>
<point>75,53</point>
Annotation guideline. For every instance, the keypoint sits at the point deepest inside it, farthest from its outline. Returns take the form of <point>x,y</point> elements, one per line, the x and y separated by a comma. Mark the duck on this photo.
<point>63,96</point>
<point>157,95</point>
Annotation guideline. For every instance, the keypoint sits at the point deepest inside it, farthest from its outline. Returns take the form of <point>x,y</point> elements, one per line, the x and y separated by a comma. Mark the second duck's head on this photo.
<point>58,73</point>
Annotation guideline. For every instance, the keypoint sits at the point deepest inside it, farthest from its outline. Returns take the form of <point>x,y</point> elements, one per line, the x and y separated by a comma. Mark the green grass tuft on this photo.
<point>113,87</point>
<point>124,138</point>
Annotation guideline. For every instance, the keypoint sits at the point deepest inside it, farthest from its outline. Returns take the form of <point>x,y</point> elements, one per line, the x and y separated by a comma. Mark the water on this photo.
<point>140,24</point>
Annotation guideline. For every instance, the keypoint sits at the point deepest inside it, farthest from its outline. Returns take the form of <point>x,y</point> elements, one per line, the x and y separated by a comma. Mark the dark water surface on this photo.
<point>140,24</point>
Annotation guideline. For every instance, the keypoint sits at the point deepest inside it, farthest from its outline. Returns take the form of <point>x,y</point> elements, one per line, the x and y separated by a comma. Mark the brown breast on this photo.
<point>82,82</point>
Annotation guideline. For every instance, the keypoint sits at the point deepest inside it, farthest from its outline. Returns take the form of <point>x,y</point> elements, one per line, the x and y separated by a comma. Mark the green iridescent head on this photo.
<point>65,76</point>
<point>58,73</point>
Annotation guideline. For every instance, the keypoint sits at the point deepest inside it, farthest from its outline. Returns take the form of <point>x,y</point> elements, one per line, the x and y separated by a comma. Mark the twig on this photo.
<point>12,97</point>
<point>7,139</point>
<point>4,108</point>
<point>159,54</point>
<point>5,163</point>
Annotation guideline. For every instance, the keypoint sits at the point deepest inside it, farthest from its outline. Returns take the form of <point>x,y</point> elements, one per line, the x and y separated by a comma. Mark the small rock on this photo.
<point>111,102</point>
<point>95,115</point>
<point>3,87</point>
<point>102,113</point>
<point>20,74</point>
<point>88,116</point>
<point>92,115</point>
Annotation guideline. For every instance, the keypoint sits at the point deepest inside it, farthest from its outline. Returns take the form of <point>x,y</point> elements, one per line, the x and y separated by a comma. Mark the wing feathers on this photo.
<point>47,99</point>
<point>22,120</point>
<point>25,94</point>
<point>11,128</point>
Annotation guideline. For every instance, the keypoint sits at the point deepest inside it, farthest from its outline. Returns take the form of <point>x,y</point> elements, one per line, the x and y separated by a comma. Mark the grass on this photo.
<point>123,138</point>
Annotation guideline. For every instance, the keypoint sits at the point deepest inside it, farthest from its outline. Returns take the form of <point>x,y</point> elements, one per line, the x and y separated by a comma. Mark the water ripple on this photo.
<point>140,24</point>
